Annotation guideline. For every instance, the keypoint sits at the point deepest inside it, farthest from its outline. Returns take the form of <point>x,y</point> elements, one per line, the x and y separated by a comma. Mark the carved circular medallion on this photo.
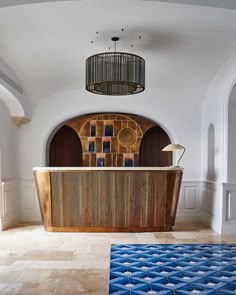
<point>127,137</point>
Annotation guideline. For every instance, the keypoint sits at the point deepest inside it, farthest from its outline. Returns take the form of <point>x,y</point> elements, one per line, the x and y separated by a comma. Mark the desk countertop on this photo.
<point>54,169</point>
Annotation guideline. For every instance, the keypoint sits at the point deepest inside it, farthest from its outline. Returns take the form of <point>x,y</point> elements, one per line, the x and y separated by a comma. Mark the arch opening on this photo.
<point>107,147</point>
<point>14,106</point>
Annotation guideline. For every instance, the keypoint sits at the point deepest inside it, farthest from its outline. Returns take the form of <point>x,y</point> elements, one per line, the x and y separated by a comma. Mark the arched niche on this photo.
<point>232,135</point>
<point>151,154</point>
<point>65,149</point>
<point>211,153</point>
<point>109,139</point>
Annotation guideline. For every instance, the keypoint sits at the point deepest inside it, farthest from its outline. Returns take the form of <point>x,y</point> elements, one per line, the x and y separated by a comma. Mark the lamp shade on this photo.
<point>173,148</point>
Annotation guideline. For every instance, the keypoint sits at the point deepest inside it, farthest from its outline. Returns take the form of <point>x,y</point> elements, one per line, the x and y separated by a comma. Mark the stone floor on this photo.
<point>35,262</point>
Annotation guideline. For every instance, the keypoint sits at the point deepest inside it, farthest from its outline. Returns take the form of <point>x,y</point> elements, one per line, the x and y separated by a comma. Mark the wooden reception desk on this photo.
<point>108,199</point>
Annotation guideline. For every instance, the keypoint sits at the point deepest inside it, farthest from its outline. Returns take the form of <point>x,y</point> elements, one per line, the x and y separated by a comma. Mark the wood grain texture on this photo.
<point>99,200</point>
<point>43,186</point>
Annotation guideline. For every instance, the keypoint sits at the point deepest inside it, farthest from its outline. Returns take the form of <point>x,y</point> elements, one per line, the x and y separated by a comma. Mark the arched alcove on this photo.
<point>151,154</point>
<point>108,139</point>
<point>211,153</point>
<point>232,135</point>
<point>65,149</point>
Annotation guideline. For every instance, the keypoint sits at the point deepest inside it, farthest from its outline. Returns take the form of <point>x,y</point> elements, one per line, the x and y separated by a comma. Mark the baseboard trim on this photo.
<point>31,218</point>
<point>9,221</point>
<point>209,220</point>
<point>228,230</point>
<point>188,216</point>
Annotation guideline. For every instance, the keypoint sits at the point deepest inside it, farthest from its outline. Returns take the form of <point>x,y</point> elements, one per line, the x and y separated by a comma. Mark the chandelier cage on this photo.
<point>115,73</point>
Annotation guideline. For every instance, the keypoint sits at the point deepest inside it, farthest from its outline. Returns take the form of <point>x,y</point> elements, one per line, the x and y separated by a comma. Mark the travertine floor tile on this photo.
<point>45,288</point>
<point>36,262</point>
<point>49,245</point>
<point>123,241</point>
<point>18,266</point>
<point>47,255</point>
<point>9,276</point>
<point>37,276</point>
<point>7,260</point>
<point>11,289</point>
<point>184,235</point>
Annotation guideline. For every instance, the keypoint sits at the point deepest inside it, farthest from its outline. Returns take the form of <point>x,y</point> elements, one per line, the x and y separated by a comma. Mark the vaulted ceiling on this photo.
<point>184,45</point>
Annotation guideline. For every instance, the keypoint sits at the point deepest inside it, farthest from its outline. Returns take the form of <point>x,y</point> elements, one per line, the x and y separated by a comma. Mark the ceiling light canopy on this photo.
<point>115,73</point>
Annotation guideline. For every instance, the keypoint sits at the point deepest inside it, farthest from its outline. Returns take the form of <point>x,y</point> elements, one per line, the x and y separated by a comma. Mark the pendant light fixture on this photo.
<point>115,73</point>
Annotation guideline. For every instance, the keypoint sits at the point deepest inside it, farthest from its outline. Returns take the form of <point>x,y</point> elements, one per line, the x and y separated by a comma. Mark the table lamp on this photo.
<point>173,148</point>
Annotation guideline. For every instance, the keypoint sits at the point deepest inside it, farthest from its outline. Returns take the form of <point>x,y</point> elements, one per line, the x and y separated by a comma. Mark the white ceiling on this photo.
<point>46,44</point>
<point>228,4</point>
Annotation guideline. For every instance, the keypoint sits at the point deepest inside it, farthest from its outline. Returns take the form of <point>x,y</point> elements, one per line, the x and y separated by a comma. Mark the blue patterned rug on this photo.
<point>178,269</point>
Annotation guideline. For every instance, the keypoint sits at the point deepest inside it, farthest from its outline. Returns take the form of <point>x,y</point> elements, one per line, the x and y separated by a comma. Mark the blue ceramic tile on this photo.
<point>93,130</point>
<point>91,146</point>
<point>187,269</point>
<point>128,163</point>
<point>108,130</point>
<point>100,162</point>
<point>106,146</point>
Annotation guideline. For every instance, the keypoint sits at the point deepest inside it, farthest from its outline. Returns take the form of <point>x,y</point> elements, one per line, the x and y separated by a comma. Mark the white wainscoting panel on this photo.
<point>229,209</point>
<point>189,202</point>
<point>231,206</point>
<point>9,204</point>
<point>211,204</point>
<point>29,202</point>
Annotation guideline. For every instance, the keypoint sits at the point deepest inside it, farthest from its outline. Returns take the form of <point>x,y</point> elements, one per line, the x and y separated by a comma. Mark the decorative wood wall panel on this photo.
<point>106,135</point>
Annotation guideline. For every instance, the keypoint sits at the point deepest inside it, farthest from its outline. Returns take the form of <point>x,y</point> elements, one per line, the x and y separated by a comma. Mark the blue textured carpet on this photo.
<point>178,269</point>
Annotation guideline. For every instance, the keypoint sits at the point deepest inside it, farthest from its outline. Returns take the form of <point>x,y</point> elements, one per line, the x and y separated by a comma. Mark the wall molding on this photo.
<point>211,210</point>
<point>189,202</point>
<point>29,206</point>
<point>9,204</point>
<point>229,208</point>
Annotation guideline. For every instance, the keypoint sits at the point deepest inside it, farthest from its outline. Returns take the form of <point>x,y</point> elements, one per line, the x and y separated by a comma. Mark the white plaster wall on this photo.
<point>212,113</point>
<point>215,111</point>
<point>9,169</point>
<point>9,139</point>
<point>182,121</point>
<point>232,136</point>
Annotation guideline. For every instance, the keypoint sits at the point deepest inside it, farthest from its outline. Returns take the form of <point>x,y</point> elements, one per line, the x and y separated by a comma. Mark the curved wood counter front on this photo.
<point>108,199</point>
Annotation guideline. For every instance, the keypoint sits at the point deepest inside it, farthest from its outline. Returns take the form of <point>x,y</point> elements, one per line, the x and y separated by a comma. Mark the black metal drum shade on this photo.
<point>115,73</point>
